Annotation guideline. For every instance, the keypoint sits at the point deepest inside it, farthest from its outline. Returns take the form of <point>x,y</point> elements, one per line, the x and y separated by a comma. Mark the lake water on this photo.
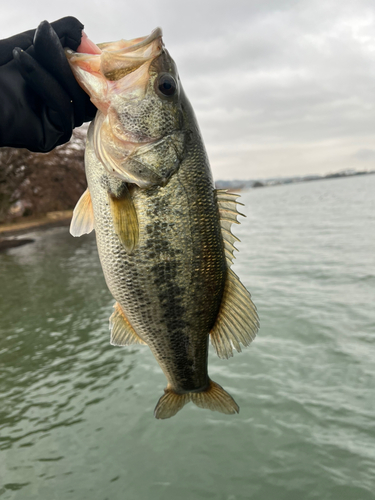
<point>76,414</point>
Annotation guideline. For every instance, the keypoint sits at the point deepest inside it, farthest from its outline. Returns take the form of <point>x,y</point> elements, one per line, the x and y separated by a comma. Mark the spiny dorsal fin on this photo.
<point>237,321</point>
<point>83,216</point>
<point>125,219</point>
<point>122,332</point>
<point>228,215</point>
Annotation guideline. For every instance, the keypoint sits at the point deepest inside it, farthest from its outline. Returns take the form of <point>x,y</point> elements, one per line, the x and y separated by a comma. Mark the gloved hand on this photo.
<point>40,100</point>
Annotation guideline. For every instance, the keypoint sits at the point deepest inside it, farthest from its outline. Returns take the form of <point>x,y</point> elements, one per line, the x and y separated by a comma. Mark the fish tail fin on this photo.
<point>215,398</point>
<point>170,403</point>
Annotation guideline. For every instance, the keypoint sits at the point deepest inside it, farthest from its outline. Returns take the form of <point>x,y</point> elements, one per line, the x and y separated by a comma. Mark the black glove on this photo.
<point>40,100</point>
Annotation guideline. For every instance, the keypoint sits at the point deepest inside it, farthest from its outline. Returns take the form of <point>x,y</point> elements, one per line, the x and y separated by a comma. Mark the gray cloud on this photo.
<point>366,155</point>
<point>279,87</point>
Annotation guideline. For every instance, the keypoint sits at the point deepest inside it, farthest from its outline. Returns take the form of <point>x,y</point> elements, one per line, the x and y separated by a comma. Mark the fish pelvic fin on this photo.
<point>214,398</point>
<point>83,216</point>
<point>125,219</point>
<point>237,322</point>
<point>122,332</point>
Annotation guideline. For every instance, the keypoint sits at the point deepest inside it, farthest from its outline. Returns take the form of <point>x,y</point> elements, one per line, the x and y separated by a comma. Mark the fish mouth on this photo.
<point>136,44</point>
<point>114,68</point>
<point>125,56</point>
<point>114,60</point>
<point>89,48</point>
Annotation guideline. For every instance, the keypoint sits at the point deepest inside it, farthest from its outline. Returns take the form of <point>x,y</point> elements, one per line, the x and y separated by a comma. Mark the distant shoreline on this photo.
<point>278,181</point>
<point>24,224</point>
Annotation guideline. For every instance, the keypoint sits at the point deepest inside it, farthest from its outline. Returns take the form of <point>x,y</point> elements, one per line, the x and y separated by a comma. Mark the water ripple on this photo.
<point>76,413</point>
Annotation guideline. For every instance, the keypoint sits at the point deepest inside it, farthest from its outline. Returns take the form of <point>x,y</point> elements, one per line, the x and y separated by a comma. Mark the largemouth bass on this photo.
<point>163,231</point>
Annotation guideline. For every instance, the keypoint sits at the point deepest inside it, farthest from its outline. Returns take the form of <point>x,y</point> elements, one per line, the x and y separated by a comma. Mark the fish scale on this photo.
<point>163,285</point>
<point>163,231</point>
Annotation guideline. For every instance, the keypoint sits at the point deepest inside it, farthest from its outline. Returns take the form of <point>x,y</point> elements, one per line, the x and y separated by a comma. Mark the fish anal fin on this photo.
<point>125,219</point>
<point>83,216</point>
<point>227,204</point>
<point>122,332</point>
<point>237,321</point>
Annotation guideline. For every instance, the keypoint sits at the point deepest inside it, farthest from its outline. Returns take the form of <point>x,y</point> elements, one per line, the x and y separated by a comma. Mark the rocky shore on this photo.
<point>39,190</point>
<point>11,232</point>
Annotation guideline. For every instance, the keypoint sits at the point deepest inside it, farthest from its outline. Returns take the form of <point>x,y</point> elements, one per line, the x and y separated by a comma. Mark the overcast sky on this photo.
<point>280,87</point>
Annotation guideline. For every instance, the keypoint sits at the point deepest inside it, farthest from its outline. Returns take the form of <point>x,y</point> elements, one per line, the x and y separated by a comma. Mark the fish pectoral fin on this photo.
<point>237,321</point>
<point>214,398</point>
<point>83,216</point>
<point>122,332</point>
<point>125,219</point>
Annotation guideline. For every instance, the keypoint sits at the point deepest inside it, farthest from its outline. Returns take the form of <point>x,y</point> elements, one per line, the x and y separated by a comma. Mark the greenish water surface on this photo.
<point>76,414</point>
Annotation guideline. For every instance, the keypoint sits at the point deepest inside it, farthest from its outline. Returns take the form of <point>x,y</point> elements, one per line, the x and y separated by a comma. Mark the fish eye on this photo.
<point>167,85</point>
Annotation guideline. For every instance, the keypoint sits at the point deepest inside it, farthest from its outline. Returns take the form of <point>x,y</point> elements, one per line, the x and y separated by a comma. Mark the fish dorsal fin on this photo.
<point>122,332</point>
<point>83,216</point>
<point>125,219</point>
<point>228,215</point>
<point>237,321</point>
